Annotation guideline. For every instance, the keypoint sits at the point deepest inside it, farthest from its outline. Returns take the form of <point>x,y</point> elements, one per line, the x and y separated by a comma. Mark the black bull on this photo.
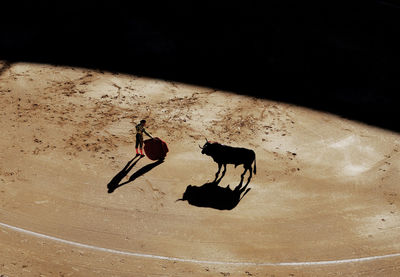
<point>223,155</point>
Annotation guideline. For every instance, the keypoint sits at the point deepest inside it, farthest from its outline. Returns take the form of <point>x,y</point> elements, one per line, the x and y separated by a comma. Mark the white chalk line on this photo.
<point>157,257</point>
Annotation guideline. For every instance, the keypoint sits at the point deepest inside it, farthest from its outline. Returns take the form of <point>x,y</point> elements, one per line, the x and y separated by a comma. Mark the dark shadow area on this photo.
<point>211,195</point>
<point>116,180</point>
<point>112,186</point>
<point>340,57</point>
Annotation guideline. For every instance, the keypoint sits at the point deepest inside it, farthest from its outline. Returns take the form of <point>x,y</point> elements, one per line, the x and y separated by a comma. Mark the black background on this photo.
<point>332,56</point>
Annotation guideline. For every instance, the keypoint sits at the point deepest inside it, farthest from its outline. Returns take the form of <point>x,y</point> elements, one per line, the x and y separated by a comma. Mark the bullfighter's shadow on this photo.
<point>211,195</point>
<point>116,181</point>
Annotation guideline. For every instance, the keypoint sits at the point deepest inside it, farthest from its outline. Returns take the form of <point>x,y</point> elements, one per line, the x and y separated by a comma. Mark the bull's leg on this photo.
<point>216,182</point>
<point>248,167</point>
<point>251,174</point>
<point>223,172</point>
<point>244,173</point>
<point>219,170</point>
<point>237,193</point>
<point>244,188</point>
<point>237,188</point>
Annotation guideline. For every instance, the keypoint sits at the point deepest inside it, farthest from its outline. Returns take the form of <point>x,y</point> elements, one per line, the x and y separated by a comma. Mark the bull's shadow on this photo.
<point>116,181</point>
<point>211,195</point>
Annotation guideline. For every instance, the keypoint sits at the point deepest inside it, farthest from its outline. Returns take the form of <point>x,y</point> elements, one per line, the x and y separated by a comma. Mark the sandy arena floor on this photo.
<point>324,202</point>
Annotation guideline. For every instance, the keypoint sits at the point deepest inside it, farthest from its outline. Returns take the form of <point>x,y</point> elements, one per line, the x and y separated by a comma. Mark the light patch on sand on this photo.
<point>354,169</point>
<point>358,156</point>
<point>348,141</point>
<point>41,202</point>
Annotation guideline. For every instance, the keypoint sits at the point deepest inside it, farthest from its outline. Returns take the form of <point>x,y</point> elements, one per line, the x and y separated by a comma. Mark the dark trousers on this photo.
<point>139,141</point>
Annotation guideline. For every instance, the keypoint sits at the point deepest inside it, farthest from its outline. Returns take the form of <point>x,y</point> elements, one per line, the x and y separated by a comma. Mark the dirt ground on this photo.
<point>324,201</point>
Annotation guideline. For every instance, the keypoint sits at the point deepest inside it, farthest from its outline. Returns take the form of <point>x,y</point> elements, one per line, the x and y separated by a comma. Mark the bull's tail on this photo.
<point>255,167</point>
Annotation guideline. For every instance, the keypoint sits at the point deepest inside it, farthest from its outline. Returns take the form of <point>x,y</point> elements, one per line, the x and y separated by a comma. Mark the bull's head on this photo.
<point>204,149</point>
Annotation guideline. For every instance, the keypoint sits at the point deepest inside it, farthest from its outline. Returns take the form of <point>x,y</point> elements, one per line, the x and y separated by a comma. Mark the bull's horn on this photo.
<point>200,147</point>
<point>180,200</point>
<point>206,139</point>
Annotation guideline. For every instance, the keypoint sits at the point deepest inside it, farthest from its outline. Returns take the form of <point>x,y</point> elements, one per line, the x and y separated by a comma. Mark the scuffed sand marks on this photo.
<point>326,188</point>
<point>82,104</point>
